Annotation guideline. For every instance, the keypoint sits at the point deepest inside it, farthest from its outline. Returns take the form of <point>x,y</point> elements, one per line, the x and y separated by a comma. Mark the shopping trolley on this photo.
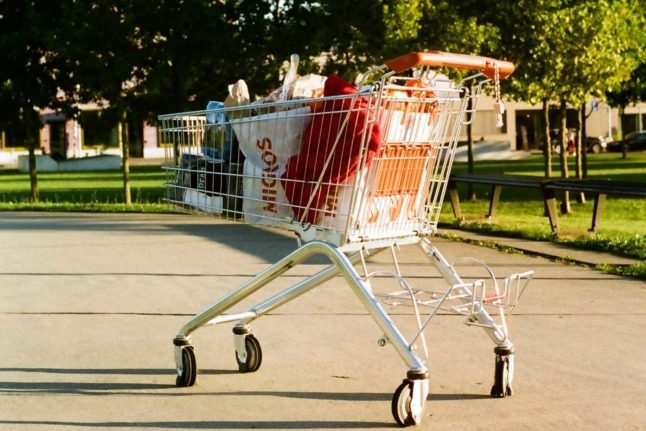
<point>355,172</point>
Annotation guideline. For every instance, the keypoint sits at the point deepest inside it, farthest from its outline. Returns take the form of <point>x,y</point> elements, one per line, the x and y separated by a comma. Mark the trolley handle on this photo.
<point>446,59</point>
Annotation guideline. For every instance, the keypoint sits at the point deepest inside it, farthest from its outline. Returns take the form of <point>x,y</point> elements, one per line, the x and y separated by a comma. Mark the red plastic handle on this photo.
<point>447,59</point>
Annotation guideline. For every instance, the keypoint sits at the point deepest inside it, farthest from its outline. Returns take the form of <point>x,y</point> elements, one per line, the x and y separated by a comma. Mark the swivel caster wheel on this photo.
<point>408,402</point>
<point>187,372</point>
<point>401,404</point>
<point>503,376</point>
<point>250,360</point>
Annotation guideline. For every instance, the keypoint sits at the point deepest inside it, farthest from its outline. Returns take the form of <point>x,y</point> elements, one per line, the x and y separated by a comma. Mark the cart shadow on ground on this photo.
<point>296,425</point>
<point>266,243</point>
<point>144,389</point>
<point>156,389</point>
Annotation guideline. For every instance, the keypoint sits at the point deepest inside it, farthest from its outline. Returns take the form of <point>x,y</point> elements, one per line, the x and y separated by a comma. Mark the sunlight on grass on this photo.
<point>520,212</point>
<point>82,188</point>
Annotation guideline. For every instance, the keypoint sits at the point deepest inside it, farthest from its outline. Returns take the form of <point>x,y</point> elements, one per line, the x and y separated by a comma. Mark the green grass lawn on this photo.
<point>82,190</point>
<point>519,213</point>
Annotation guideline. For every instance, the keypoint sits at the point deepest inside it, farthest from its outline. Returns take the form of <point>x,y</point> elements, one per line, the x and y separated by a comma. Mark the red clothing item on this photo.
<point>336,128</point>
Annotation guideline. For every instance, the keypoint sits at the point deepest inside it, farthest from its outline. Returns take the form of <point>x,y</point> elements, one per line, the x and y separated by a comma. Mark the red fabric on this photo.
<point>318,142</point>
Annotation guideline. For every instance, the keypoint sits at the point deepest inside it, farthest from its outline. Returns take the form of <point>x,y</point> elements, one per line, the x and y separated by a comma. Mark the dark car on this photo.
<point>635,141</point>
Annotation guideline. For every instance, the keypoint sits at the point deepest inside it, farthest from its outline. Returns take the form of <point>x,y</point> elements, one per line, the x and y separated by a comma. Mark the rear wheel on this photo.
<point>188,375</point>
<point>502,377</point>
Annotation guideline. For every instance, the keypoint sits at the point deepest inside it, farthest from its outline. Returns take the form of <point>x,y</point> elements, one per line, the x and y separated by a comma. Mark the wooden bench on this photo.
<point>599,188</point>
<point>548,186</point>
<point>495,181</point>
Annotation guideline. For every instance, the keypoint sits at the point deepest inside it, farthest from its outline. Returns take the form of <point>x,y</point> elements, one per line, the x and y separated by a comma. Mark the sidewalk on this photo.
<point>90,303</point>
<point>545,248</point>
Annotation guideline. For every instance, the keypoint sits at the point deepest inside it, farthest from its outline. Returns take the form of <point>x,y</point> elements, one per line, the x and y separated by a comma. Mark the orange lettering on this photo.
<point>264,143</point>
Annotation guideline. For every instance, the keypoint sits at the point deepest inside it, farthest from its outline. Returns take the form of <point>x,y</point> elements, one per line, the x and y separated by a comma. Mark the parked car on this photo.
<point>593,144</point>
<point>635,141</point>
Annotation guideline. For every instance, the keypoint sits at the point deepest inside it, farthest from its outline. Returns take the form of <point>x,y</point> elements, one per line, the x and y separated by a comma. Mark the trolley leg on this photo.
<point>340,264</point>
<point>300,288</point>
<point>184,351</point>
<point>495,331</point>
<point>213,313</point>
<point>504,350</point>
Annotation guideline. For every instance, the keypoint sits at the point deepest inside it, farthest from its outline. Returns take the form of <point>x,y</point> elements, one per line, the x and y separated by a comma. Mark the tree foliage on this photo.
<point>33,75</point>
<point>632,90</point>
<point>143,57</point>
<point>567,51</point>
<point>176,54</point>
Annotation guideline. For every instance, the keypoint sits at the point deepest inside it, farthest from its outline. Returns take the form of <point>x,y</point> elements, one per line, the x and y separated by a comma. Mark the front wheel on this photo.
<point>252,359</point>
<point>401,404</point>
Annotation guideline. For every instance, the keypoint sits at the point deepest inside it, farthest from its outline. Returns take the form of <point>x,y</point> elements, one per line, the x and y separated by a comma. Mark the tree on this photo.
<point>101,46</point>
<point>32,75</point>
<point>632,90</point>
<point>568,50</point>
<point>444,27</point>
<point>140,58</point>
<point>599,48</point>
<point>610,38</point>
<point>396,27</point>
<point>403,25</point>
<point>523,33</point>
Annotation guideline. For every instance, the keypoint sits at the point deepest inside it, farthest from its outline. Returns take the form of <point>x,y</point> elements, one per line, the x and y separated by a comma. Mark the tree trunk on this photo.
<point>565,204</point>
<point>33,173</point>
<point>125,148</point>
<point>622,111</point>
<point>579,152</point>
<point>584,151</point>
<point>547,148</point>
<point>32,138</point>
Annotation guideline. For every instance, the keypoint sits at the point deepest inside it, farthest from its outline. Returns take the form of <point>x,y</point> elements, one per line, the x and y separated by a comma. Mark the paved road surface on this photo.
<point>89,305</point>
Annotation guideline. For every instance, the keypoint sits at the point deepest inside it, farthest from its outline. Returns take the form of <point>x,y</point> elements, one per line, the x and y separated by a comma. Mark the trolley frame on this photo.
<point>408,177</point>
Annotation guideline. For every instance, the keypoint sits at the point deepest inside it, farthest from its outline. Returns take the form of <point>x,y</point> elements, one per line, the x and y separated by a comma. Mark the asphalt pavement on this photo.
<point>90,303</point>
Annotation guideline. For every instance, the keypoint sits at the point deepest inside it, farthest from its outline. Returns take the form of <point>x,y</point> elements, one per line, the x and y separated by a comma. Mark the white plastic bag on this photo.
<point>290,77</point>
<point>307,87</point>
<point>268,141</point>
<point>238,95</point>
<point>408,126</point>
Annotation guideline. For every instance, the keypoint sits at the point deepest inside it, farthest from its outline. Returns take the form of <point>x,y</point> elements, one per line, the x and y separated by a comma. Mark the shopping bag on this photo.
<point>410,121</point>
<point>409,113</point>
<point>268,141</point>
<point>338,141</point>
<point>389,195</point>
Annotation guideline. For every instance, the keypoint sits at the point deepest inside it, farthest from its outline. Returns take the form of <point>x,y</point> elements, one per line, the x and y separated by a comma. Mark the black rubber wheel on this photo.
<point>189,368</point>
<point>401,404</point>
<point>501,387</point>
<point>254,355</point>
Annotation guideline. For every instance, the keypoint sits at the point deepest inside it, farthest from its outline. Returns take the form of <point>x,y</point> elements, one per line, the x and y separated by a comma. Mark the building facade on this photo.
<point>93,134</point>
